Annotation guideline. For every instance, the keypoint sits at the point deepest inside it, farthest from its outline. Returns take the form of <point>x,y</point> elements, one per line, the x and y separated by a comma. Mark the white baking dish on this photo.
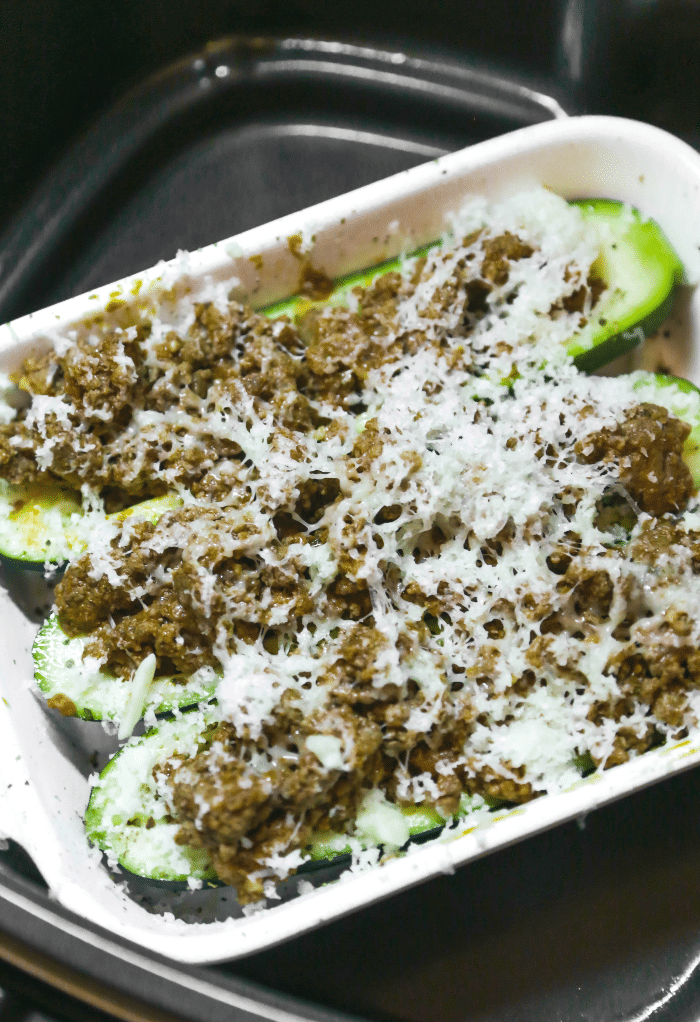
<point>45,764</point>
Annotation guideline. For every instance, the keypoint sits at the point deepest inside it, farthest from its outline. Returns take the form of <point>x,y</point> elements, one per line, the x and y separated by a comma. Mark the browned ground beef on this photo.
<point>295,796</point>
<point>208,580</point>
<point>646,449</point>
<point>171,621</point>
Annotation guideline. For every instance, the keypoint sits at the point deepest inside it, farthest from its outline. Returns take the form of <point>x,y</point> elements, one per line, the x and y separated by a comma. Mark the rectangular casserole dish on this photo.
<point>45,765</point>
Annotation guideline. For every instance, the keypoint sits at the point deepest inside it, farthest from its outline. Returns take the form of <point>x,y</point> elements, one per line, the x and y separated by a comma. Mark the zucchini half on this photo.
<point>40,524</point>
<point>641,271</point>
<point>636,262</point>
<point>79,688</point>
<point>127,819</point>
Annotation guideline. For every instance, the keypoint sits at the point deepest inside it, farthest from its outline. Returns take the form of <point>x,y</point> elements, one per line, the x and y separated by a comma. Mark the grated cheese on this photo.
<point>459,479</point>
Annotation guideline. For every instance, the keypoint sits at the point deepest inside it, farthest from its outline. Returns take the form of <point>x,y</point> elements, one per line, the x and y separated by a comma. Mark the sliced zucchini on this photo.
<point>636,262</point>
<point>148,510</point>
<point>641,272</point>
<point>39,523</point>
<point>127,818</point>
<point>79,688</point>
<point>682,399</point>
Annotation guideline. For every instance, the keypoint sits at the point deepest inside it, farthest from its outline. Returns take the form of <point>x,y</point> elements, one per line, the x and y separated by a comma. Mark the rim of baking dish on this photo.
<point>577,157</point>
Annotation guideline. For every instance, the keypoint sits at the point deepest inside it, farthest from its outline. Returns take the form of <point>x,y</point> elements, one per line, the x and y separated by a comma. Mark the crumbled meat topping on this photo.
<point>410,527</point>
<point>646,447</point>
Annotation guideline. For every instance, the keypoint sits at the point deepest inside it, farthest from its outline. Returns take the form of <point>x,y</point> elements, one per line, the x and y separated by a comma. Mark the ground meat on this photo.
<point>65,706</point>
<point>576,301</point>
<point>180,639</point>
<point>275,435</point>
<point>225,357</point>
<point>342,347</point>
<point>656,538</point>
<point>497,788</point>
<point>17,463</point>
<point>627,741</point>
<point>661,677</point>
<point>84,602</point>
<point>646,452</point>
<point>101,382</point>
<point>244,817</point>
<point>499,253</point>
<point>353,675</point>
<point>194,571</point>
<point>315,495</point>
<point>591,594</point>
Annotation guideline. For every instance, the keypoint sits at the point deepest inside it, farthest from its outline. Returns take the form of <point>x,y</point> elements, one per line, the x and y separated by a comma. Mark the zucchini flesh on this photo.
<point>39,524</point>
<point>148,510</point>
<point>126,816</point>
<point>641,271</point>
<point>78,687</point>
<point>418,820</point>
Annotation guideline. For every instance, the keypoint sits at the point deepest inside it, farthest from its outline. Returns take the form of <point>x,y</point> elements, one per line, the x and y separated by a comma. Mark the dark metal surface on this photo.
<point>24,998</point>
<point>96,961</point>
<point>62,63</point>
<point>592,924</point>
<point>237,135</point>
<point>600,924</point>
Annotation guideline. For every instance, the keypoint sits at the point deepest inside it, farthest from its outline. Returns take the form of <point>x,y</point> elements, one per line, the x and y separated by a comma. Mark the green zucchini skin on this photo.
<point>641,271</point>
<point>127,819</point>
<point>606,351</point>
<point>60,671</point>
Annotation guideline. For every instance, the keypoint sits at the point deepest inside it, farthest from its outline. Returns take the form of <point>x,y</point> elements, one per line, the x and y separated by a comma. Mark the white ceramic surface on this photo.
<point>45,764</point>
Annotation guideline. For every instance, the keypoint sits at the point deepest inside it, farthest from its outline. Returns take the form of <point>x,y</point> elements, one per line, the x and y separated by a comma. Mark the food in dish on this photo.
<point>417,551</point>
<point>638,267</point>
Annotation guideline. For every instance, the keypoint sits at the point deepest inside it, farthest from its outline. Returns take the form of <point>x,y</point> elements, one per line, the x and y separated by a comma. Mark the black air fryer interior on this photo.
<point>593,922</point>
